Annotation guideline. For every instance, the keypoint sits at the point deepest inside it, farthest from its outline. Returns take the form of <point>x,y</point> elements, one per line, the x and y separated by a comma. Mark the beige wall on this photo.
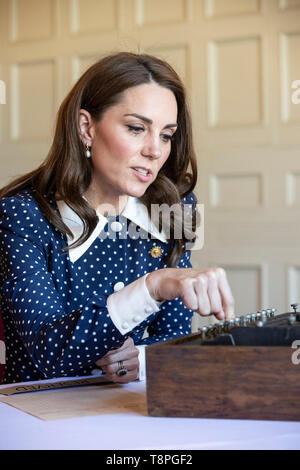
<point>238,59</point>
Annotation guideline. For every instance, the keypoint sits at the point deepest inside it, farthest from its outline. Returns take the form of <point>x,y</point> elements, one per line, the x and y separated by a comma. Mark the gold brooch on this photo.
<point>156,252</point>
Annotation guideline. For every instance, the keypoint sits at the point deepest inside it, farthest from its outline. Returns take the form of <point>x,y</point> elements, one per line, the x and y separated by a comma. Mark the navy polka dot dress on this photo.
<point>54,310</point>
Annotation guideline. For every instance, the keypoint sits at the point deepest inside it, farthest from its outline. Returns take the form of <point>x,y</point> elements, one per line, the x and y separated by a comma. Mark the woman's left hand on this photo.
<point>128,354</point>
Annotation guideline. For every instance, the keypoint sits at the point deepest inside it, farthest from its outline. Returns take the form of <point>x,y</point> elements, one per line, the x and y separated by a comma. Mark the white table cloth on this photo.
<point>19,430</point>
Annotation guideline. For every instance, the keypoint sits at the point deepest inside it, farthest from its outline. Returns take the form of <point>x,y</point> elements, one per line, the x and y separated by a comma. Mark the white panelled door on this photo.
<point>238,59</point>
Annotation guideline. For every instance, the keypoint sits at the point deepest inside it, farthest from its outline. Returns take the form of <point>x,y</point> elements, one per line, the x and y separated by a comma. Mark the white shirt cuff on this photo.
<point>142,360</point>
<point>131,305</point>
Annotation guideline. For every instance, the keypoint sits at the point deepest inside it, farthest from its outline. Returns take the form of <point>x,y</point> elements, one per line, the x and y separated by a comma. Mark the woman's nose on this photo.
<point>152,148</point>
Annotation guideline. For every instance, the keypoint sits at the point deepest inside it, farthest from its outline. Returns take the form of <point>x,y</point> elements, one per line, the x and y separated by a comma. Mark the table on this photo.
<point>19,430</point>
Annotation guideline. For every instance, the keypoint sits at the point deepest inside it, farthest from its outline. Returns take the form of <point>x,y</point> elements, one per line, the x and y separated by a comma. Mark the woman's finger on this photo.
<point>131,364</point>
<point>124,379</point>
<point>200,288</point>
<point>214,296</point>
<point>118,356</point>
<point>127,344</point>
<point>188,294</point>
<point>226,294</point>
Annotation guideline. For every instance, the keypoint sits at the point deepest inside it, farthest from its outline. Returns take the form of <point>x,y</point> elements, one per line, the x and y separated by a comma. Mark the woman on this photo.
<point>84,270</point>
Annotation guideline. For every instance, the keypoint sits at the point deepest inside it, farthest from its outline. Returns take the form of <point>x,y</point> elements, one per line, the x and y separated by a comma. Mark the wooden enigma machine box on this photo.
<point>245,368</point>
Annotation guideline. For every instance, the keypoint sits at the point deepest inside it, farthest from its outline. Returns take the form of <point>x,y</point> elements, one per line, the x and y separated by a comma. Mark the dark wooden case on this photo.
<point>188,379</point>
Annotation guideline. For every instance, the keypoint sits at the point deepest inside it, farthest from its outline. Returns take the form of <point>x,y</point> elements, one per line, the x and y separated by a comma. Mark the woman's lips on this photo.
<point>142,176</point>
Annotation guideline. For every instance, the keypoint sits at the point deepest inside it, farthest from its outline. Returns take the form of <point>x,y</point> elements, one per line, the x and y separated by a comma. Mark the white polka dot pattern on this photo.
<point>54,311</point>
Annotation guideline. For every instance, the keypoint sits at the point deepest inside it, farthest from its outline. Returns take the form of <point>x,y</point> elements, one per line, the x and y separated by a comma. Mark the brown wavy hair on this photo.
<point>66,172</point>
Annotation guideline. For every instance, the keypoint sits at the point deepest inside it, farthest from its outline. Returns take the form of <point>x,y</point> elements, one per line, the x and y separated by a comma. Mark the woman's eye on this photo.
<point>135,129</point>
<point>138,129</point>
<point>167,137</point>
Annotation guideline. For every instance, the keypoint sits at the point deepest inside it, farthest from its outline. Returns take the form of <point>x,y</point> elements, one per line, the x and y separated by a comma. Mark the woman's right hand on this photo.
<point>204,291</point>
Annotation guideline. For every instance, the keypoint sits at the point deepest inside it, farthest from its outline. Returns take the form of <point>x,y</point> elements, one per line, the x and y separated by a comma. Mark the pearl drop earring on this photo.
<point>87,151</point>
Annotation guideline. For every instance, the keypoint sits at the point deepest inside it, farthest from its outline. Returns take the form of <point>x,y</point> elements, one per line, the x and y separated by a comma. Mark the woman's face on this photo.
<point>131,142</point>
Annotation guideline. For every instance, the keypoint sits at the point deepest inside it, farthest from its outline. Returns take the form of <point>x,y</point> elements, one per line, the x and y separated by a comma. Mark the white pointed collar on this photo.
<point>135,211</point>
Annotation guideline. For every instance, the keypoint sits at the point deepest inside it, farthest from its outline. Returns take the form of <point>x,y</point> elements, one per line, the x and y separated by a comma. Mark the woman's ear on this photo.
<point>85,127</point>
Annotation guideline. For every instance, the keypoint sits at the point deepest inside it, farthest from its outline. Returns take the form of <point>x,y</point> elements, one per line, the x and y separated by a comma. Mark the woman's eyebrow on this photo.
<point>149,121</point>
